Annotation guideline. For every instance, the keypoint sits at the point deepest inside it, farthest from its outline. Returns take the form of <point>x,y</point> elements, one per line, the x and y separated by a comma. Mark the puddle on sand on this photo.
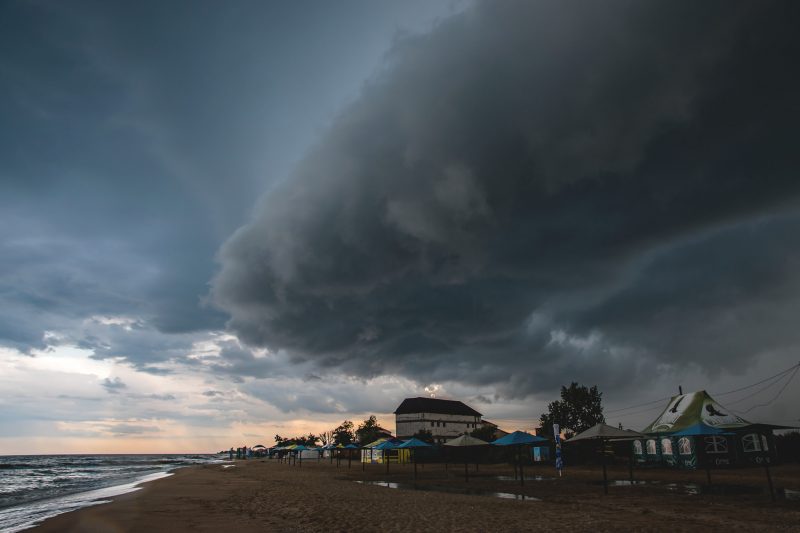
<point>695,489</point>
<point>626,483</point>
<point>527,478</point>
<point>450,490</point>
<point>228,466</point>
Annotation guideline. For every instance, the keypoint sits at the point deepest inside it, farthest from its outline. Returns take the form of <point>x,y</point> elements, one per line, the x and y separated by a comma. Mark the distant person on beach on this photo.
<point>230,454</point>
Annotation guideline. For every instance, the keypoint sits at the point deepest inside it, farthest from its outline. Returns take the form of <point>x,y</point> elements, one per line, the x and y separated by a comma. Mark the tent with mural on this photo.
<point>695,430</point>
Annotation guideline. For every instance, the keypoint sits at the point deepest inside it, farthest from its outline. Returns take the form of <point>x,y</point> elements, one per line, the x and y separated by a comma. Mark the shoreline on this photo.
<point>37,488</point>
<point>29,514</point>
<point>262,495</point>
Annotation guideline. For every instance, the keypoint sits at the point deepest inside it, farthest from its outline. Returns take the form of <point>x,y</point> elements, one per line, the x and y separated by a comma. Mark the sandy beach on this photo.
<point>262,495</point>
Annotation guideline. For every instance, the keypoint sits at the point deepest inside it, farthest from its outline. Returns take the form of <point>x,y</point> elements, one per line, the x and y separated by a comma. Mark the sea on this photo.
<point>36,487</point>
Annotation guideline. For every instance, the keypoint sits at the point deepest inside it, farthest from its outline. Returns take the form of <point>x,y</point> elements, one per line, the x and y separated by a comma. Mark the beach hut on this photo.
<point>603,433</point>
<point>519,440</point>
<point>694,430</point>
<point>468,446</point>
<point>414,444</point>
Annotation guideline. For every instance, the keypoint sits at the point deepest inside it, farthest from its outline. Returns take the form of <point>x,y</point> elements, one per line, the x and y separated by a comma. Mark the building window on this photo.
<point>444,424</point>
<point>637,447</point>
<point>684,446</point>
<point>651,447</point>
<point>751,442</point>
<point>437,424</point>
<point>431,423</point>
<point>666,446</point>
<point>716,444</point>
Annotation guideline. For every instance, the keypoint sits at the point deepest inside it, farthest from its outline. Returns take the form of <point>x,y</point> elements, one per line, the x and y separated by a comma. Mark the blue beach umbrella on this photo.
<point>519,439</point>
<point>385,446</point>
<point>300,449</point>
<point>413,444</point>
<point>350,446</point>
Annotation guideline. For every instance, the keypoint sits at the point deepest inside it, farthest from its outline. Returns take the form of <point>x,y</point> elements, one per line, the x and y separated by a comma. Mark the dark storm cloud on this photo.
<point>540,191</point>
<point>134,137</point>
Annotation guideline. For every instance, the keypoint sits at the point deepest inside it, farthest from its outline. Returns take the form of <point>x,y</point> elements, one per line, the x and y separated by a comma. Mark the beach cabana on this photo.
<point>519,440</point>
<point>467,443</point>
<point>604,433</point>
<point>414,444</point>
<point>694,430</point>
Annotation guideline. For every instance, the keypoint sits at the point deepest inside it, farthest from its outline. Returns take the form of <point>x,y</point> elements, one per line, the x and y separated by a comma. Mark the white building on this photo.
<point>445,419</point>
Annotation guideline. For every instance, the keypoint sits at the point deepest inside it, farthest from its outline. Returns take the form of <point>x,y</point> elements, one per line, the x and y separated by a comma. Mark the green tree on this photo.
<point>368,430</point>
<point>484,433</point>
<point>424,435</point>
<point>344,434</point>
<point>578,409</point>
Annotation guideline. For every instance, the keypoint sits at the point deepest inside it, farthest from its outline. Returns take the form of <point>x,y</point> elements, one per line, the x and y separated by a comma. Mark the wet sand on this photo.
<point>263,495</point>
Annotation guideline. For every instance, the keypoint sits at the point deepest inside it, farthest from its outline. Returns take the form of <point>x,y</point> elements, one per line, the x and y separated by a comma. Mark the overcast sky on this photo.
<point>219,222</point>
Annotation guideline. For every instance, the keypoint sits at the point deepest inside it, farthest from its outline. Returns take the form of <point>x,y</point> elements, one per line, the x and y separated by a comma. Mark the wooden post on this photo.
<point>414,458</point>
<point>386,459</point>
<point>630,467</point>
<point>605,474</point>
<point>769,481</point>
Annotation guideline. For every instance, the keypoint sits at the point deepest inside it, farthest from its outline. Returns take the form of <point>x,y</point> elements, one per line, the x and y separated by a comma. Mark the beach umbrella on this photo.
<point>518,439</point>
<point>385,446</point>
<point>329,448</point>
<point>604,433</point>
<point>339,448</point>
<point>414,444</point>
<point>299,449</point>
<point>371,447</point>
<point>466,441</point>
<point>350,446</point>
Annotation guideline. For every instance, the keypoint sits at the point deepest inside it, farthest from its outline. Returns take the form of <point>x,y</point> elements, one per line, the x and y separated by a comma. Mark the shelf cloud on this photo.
<point>538,191</point>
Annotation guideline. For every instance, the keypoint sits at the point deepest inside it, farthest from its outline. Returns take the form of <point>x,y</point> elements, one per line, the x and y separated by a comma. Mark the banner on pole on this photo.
<point>557,437</point>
